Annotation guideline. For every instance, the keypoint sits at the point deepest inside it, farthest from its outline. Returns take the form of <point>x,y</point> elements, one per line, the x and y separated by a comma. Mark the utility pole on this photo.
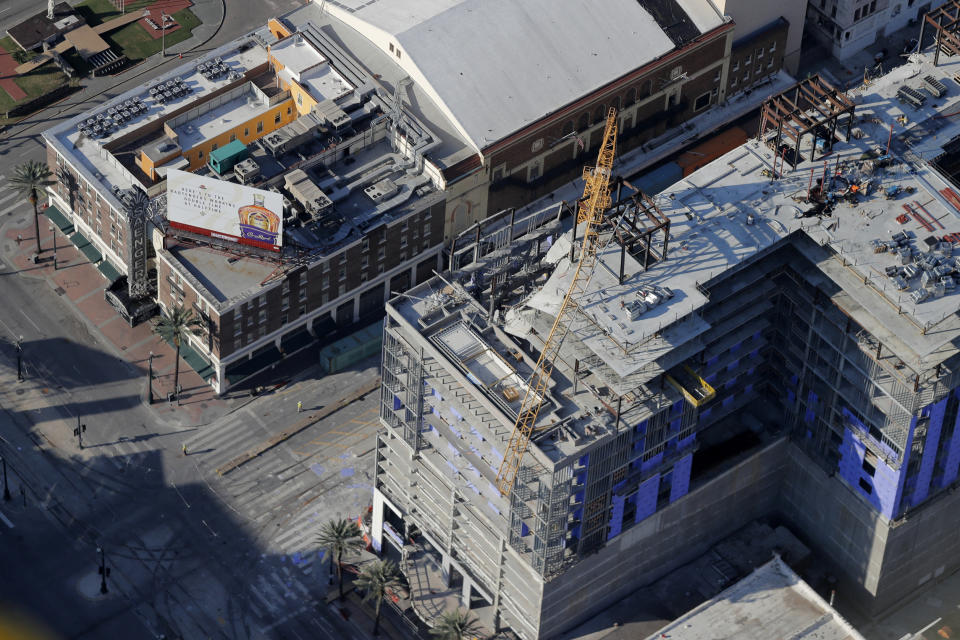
<point>6,489</point>
<point>20,359</point>
<point>104,571</point>
<point>150,383</point>
<point>79,432</point>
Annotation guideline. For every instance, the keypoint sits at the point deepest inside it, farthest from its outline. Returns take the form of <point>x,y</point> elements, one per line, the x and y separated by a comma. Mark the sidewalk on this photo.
<point>79,282</point>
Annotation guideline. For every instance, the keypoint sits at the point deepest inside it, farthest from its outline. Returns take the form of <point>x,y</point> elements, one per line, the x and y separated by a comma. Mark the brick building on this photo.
<point>385,135</point>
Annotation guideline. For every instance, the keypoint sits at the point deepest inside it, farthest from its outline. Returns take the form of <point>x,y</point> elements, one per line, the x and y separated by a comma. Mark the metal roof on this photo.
<point>496,66</point>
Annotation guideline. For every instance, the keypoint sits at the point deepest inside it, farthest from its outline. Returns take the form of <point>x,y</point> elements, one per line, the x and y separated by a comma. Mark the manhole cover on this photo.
<point>60,291</point>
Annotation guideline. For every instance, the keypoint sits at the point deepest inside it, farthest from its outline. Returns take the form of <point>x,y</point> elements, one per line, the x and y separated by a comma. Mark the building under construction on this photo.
<point>570,414</point>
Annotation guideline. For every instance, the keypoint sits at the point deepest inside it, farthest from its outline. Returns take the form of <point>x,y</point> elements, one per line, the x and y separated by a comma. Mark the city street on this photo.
<point>190,553</point>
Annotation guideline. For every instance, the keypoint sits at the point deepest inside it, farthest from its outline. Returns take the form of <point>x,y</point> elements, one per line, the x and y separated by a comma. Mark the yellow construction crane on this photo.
<point>596,200</point>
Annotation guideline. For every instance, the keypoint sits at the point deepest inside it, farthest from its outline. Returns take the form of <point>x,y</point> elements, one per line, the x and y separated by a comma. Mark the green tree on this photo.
<point>174,326</point>
<point>21,56</point>
<point>337,536</point>
<point>377,579</point>
<point>456,624</point>
<point>29,179</point>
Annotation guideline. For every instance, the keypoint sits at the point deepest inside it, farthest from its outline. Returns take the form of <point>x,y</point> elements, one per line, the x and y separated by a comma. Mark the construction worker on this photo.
<point>183,448</point>
<point>299,406</point>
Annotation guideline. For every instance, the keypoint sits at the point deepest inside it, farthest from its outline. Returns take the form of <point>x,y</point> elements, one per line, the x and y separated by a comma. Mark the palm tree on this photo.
<point>21,56</point>
<point>29,178</point>
<point>377,579</point>
<point>337,536</point>
<point>174,326</point>
<point>456,625</point>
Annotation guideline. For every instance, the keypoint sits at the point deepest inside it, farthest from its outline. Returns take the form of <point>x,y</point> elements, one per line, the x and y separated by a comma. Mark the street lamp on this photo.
<point>104,571</point>
<point>150,383</point>
<point>81,428</point>
<point>163,32</point>
<point>6,489</point>
<point>53,232</point>
<point>20,359</point>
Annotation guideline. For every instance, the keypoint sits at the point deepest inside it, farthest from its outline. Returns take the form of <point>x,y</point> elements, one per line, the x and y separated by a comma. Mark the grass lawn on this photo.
<point>137,44</point>
<point>133,40</point>
<point>36,83</point>
<point>99,11</point>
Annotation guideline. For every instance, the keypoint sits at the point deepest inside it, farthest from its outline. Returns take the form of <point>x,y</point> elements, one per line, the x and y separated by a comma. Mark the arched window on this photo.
<point>600,114</point>
<point>616,103</point>
<point>567,129</point>
<point>631,97</point>
<point>584,123</point>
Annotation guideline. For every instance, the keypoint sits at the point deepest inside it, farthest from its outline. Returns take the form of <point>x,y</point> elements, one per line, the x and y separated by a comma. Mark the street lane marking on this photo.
<point>6,520</point>
<point>10,208</point>
<point>13,194</point>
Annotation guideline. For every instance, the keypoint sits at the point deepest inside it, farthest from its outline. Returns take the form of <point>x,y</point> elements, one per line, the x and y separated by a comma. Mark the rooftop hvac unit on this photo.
<point>381,190</point>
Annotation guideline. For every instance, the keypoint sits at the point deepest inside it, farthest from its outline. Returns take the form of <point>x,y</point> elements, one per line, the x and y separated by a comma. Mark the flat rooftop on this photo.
<point>225,276</point>
<point>772,602</point>
<point>220,119</point>
<point>730,210</point>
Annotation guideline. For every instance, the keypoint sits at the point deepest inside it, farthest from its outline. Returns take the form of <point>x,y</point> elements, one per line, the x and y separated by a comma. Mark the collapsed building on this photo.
<point>774,336</point>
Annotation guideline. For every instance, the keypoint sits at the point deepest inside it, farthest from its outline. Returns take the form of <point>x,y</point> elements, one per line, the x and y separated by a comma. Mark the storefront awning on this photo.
<point>86,248</point>
<point>109,271</point>
<point>57,218</point>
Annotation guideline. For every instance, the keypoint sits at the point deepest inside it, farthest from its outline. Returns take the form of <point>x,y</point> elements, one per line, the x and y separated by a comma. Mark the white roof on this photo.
<point>772,602</point>
<point>495,66</point>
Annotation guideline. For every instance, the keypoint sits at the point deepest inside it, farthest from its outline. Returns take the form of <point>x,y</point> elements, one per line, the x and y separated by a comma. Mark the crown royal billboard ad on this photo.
<point>224,210</point>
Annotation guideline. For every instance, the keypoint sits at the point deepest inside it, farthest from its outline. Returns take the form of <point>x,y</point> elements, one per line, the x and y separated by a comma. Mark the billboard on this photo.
<point>224,210</point>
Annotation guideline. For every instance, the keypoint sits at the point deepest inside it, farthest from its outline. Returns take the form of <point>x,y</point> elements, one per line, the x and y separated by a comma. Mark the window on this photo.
<point>261,331</point>
<point>748,61</point>
<point>716,76</point>
<point>600,115</point>
<point>262,300</point>
<point>214,147</point>
<point>714,93</point>
<point>770,64</point>
<point>246,132</point>
<point>303,310</point>
<point>873,6</point>
<point>285,303</point>
<point>398,53</point>
<point>833,12</point>
<point>759,68</point>
<point>286,287</point>
<point>260,126</point>
<point>276,118</point>
<point>538,143</point>
<point>391,47</point>
<point>866,486</point>
<point>631,97</point>
<point>289,110</point>
<point>735,67</point>
<point>856,15</point>
<point>533,172</point>
<point>233,137</point>
<point>584,122</point>
<point>676,72</point>
<point>299,101</point>
<point>262,316</point>
<point>773,46</point>
<point>342,273</point>
<point>303,293</point>
<point>702,102</point>
<point>284,318</point>
<point>758,53</point>
<point>733,81</point>
<point>846,36</point>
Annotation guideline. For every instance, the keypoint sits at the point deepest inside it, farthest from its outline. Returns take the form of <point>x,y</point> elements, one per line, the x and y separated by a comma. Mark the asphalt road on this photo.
<point>191,555</point>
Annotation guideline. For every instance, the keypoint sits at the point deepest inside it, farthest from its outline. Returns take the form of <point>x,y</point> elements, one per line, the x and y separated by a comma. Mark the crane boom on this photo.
<point>596,200</point>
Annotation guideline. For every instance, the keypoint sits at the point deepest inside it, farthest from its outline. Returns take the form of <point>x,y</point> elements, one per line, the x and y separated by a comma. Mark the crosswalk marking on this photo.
<point>12,194</point>
<point>9,209</point>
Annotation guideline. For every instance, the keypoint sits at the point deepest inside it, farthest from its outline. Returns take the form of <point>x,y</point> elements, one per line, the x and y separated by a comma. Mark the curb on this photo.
<point>8,131</point>
<point>286,434</point>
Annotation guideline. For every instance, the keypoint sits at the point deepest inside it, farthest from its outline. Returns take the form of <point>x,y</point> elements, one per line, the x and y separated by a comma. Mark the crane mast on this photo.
<point>596,200</point>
